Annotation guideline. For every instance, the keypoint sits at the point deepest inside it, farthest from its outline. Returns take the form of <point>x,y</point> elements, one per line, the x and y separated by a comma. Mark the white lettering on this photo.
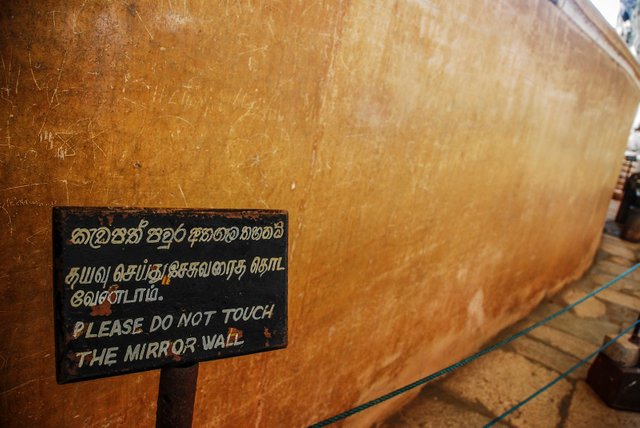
<point>161,322</point>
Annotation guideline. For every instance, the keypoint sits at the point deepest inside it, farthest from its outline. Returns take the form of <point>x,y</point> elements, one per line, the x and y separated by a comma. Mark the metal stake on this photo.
<point>176,396</point>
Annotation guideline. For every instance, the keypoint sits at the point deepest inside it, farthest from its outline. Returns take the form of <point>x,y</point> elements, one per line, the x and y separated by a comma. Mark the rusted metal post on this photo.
<point>176,396</point>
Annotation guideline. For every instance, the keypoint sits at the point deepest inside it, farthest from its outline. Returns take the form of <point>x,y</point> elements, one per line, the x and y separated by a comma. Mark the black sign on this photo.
<point>138,289</point>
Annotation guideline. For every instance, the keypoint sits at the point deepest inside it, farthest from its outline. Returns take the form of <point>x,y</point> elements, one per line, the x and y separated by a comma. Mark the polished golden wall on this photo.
<point>445,164</point>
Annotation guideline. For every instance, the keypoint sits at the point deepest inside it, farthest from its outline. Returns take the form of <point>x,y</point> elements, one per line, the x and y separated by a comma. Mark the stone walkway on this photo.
<point>475,394</point>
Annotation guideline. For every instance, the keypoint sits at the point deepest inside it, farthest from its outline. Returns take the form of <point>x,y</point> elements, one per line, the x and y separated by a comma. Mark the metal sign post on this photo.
<point>176,396</point>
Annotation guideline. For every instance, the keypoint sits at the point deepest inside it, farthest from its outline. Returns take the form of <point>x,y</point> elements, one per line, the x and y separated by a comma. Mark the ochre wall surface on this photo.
<point>445,164</point>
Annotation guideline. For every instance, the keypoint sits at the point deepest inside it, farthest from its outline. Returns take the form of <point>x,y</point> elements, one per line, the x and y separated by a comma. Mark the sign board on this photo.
<point>139,289</point>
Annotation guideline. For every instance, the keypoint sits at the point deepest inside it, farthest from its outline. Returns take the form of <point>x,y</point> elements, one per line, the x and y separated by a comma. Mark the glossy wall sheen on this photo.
<point>445,164</point>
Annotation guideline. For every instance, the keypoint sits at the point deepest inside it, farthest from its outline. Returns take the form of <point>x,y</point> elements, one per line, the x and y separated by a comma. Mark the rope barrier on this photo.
<point>562,376</point>
<point>471,358</point>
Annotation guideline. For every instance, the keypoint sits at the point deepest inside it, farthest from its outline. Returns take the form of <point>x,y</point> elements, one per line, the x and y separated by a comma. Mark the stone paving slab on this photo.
<point>586,329</point>
<point>566,342</point>
<point>608,238</point>
<point>546,308</point>
<point>626,263</point>
<point>624,283</point>
<point>621,299</point>
<point>590,308</point>
<point>434,409</point>
<point>587,410</point>
<point>547,356</point>
<point>501,379</point>
<point>615,266</point>
<point>620,315</point>
<point>617,247</point>
<point>585,284</point>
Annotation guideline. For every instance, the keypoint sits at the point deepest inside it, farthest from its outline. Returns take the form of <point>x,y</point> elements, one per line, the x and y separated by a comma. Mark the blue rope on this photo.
<point>559,378</point>
<point>469,359</point>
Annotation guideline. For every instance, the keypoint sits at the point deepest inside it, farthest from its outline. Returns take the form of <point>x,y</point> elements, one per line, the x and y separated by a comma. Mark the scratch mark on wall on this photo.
<point>23,185</point>
<point>18,79</point>
<point>180,118</point>
<point>66,186</point>
<point>29,238</point>
<point>9,223</point>
<point>143,24</point>
<point>23,384</point>
<point>304,12</point>
<point>92,137</point>
<point>74,18</point>
<point>7,78</point>
<point>183,197</point>
<point>55,91</point>
<point>53,17</point>
<point>8,137</point>
<point>32,74</point>
<point>4,68</point>
<point>133,102</point>
<point>260,49</point>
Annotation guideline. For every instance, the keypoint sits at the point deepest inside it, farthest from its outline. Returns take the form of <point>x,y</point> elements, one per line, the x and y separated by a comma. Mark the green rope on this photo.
<point>469,359</point>
<point>562,376</point>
